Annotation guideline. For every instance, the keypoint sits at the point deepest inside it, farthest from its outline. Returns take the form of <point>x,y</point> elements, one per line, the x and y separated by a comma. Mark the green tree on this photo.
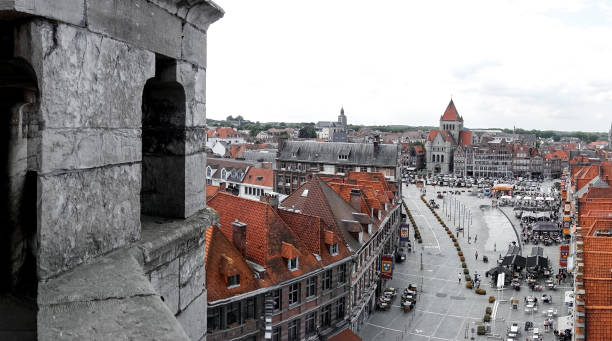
<point>229,118</point>
<point>307,132</point>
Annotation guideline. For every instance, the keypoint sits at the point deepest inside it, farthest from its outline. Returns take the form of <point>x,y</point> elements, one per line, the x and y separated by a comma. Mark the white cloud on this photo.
<point>534,64</point>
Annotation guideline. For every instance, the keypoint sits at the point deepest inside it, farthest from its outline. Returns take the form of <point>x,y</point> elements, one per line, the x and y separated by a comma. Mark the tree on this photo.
<point>307,132</point>
<point>229,118</point>
<point>239,118</point>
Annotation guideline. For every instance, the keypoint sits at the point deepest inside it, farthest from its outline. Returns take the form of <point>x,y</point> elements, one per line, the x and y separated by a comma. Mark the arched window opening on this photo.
<point>163,143</point>
<point>18,203</point>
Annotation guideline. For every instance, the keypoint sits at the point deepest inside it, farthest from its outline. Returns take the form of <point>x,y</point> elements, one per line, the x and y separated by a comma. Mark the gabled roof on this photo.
<point>221,254</point>
<point>260,177</point>
<point>318,199</point>
<point>451,114</point>
<point>265,233</point>
<point>444,134</point>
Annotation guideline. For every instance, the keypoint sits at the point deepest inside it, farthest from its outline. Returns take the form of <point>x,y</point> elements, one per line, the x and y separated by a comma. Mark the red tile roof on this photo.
<point>465,138</point>
<point>451,114</point>
<point>445,135</point>
<point>221,253</point>
<point>345,335</point>
<point>211,190</point>
<point>260,177</point>
<point>265,233</point>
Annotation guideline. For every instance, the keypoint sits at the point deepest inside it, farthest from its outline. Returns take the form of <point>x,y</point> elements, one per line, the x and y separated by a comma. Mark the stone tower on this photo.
<point>342,117</point>
<point>103,204</point>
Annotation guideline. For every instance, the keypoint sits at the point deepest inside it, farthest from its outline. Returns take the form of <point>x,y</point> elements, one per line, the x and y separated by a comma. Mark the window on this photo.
<point>233,281</point>
<point>223,174</point>
<point>233,313</point>
<point>340,308</point>
<point>208,172</point>
<point>294,293</point>
<point>326,316</point>
<point>214,319</point>
<point>250,308</point>
<point>276,299</point>
<point>292,263</point>
<point>311,323</point>
<point>333,249</point>
<point>326,280</point>
<point>343,156</point>
<point>311,286</point>
<point>341,273</point>
<point>276,334</point>
<point>294,330</point>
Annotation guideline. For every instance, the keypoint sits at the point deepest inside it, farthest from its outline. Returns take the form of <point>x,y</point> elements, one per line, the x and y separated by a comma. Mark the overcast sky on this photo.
<point>543,64</point>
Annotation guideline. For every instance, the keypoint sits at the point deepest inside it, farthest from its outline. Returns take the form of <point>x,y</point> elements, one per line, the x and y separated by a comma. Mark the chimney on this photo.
<point>376,143</point>
<point>270,199</point>
<point>281,145</point>
<point>356,199</point>
<point>239,236</point>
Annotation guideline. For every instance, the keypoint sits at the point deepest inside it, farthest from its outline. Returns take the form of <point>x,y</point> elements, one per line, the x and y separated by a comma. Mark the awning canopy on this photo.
<point>514,260</point>
<point>513,250</point>
<point>550,199</point>
<point>540,198</point>
<point>502,187</point>
<point>545,226</point>
<point>537,251</point>
<point>505,197</point>
<point>537,261</point>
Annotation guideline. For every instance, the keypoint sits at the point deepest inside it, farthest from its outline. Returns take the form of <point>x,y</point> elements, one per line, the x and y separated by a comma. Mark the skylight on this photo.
<point>305,193</point>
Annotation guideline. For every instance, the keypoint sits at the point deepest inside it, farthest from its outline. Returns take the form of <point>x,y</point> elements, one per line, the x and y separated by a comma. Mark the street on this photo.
<point>446,309</point>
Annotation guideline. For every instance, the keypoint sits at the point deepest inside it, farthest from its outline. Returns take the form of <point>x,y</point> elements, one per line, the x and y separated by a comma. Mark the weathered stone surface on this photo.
<point>116,275</point>
<point>193,80</point>
<point>139,22</point>
<point>164,240</point>
<point>85,213</point>
<point>193,45</point>
<point>192,278</point>
<point>193,318</point>
<point>87,148</point>
<point>89,80</point>
<point>165,280</point>
<point>195,183</point>
<point>163,186</point>
<point>69,11</point>
<point>131,318</point>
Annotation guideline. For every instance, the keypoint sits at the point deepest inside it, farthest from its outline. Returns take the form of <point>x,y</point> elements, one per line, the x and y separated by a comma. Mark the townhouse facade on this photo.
<point>299,161</point>
<point>492,158</point>
<point>273,283</point>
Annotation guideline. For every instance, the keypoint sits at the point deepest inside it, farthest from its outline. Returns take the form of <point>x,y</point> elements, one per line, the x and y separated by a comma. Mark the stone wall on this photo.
<point>83,143</point>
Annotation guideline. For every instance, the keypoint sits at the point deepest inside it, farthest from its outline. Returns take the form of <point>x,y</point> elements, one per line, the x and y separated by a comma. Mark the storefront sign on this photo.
<point>386,271</point>
<point>404,233</point>
<point>567,218</point>
<point>566,230</point>
<point>563,254</point>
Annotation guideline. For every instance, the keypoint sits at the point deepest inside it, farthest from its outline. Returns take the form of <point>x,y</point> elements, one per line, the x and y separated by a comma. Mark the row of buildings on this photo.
<point>588,202</point>
<point>306,267</point>
<point>452,149</point>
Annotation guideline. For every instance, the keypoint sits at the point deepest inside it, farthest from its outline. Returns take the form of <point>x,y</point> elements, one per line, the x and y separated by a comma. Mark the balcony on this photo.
<point>249,327</point>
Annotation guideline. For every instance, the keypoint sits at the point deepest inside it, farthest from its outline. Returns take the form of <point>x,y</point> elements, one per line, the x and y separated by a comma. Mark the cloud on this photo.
<point>396,62</point>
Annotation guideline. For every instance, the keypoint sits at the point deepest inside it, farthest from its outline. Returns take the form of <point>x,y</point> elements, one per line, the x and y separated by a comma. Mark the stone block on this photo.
<point>137,22</point>
<point>165,281</point>
<point>193,45</point>
<point>192,275</point>
<point>88,80</point>
<point>195,183</point>
<point>129,318</point>
<point>163,185</point>
<point>68,11</point>
<point>87,148</point>
<point>193,318</point>
<point>86,213</point>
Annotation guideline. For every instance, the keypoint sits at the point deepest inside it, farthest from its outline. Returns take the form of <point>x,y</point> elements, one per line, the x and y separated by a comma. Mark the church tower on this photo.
<point>610,137</point>
<point>342,117</point>
<point>451,121</point>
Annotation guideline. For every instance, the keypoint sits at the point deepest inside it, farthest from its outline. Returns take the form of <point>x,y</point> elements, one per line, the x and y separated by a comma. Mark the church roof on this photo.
<point>451,114</point>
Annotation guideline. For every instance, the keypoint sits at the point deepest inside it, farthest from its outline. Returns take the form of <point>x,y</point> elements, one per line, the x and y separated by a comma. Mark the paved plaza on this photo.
<point>446,309</point>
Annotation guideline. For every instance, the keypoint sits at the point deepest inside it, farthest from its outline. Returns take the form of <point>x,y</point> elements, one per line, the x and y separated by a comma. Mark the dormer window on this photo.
<point>333,249</point>
<point>223,174</point>
<point>208,172</point>
<point>233,281</point>
<point>292,264</point>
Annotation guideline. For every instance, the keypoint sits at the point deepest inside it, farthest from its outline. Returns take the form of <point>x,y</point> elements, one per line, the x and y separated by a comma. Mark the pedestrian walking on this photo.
<point>476,255</point>
<point>475,238</point>
<point>459,277</point>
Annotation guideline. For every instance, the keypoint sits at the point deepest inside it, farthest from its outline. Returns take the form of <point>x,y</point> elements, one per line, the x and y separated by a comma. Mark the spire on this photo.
<point>451,114</point>
<point>342,110</point>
